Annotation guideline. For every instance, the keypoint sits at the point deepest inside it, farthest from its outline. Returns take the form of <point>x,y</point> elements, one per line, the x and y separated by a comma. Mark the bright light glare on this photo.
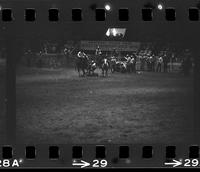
<point>160,6</point>
<point>107,7</point>
<point>114,32</point>
<point>108,32</point>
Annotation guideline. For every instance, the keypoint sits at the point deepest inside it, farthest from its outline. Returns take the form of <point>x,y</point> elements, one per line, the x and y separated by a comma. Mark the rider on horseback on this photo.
<point>81,63</point>
<point>80,54</point>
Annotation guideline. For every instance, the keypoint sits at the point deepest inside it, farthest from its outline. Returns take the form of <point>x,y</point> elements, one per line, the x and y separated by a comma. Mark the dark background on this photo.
<point>16,33</point>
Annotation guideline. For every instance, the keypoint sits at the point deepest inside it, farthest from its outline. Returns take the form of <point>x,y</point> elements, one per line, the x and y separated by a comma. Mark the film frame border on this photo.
<point>113,159</point>
<point>11,80</point>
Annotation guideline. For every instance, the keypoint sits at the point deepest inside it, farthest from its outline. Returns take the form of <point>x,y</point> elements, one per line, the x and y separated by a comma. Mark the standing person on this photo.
<point>66,55</point>
<point>147,62</point>
<point>128,58</point>
<point>128,63</point>
<point>165,61</point>
<point>159,64</point>
<point>153,60</point>
<point>142,63</point>
<point>39,62</point>
<point>98,54</point>
<point>186,64</point>
<point>65,51</point>
<point>133,62</point>
<point>150,62</point>
<point>172,60</point>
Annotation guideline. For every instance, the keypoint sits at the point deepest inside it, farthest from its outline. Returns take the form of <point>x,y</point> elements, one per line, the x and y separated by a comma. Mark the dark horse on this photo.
<point>82,64</point>
<point>105,67</point>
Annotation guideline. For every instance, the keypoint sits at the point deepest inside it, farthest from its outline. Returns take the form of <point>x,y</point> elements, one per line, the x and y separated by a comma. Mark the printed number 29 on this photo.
<point>101,163</point>
<point>193,162</point>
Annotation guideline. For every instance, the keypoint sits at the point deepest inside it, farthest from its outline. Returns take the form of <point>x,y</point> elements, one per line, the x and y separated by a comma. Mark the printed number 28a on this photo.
<point>99,163</point>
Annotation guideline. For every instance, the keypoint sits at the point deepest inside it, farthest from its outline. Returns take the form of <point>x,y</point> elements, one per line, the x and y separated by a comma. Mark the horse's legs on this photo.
<point>113,69</point>
<point>83,70</point>
<point>79,74</point>
<point>93,72</point>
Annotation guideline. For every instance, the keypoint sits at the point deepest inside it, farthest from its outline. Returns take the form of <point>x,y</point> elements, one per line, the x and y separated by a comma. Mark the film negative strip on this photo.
<point>99,83</point>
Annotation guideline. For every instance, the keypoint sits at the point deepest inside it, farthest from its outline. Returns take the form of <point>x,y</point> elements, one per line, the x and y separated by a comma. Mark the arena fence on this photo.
<point>47,60</point>
<point>62,61</point>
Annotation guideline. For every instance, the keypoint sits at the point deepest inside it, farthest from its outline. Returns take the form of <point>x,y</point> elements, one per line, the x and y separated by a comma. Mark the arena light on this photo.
<point>160,6</point>
<point>107,7</point>
<point>108,33</point>
<point>116,32</point>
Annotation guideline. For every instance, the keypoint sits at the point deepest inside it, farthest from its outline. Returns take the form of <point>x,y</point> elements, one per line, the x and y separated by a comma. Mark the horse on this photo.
<point>123,67</point>
<point>105,67</point>
<point>82,64</point>
<point>91,67</point>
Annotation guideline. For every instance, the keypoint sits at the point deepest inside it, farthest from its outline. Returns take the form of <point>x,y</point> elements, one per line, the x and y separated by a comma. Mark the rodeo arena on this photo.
<point>93,91</point>
<point>96,58</point>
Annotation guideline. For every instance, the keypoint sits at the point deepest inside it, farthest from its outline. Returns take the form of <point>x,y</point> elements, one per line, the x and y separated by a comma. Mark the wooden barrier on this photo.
<point>47,60</point>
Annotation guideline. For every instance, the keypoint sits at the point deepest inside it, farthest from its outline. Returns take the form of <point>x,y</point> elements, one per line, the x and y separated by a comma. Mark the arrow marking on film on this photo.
<point>82,164</point>
<point>175,163</point>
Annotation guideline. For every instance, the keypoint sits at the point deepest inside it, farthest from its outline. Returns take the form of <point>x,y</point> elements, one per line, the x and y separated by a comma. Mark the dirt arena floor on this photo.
<point>2,102</point>
<point>56,106</point>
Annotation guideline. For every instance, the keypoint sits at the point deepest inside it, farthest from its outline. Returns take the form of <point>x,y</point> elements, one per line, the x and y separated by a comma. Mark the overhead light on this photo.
<point>160,6</point>
<point>116,32</point>
<point>107,7</point>
<point>108,33</point>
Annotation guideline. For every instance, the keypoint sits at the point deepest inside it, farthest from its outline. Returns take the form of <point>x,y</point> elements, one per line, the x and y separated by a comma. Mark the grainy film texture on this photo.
<point>2,93</point>
<point>85,74</point>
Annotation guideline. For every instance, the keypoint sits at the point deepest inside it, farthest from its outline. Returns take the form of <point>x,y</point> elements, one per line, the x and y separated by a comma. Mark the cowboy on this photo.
<point>165,62</point>
<point>128,58</point>
<point>160,61</point>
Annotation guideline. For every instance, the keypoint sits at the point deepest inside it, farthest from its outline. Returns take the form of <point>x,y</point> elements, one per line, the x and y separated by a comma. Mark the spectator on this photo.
<point>159,64</point>
<point>186,66</point>
<point>153,60</point>
<point>133,62</point>
<point>165,62</point>
<point>151,63</point>
<point>142,63</point>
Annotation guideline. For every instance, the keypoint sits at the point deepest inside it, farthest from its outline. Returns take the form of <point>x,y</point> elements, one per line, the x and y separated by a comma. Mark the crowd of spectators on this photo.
<point>149,57</point>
